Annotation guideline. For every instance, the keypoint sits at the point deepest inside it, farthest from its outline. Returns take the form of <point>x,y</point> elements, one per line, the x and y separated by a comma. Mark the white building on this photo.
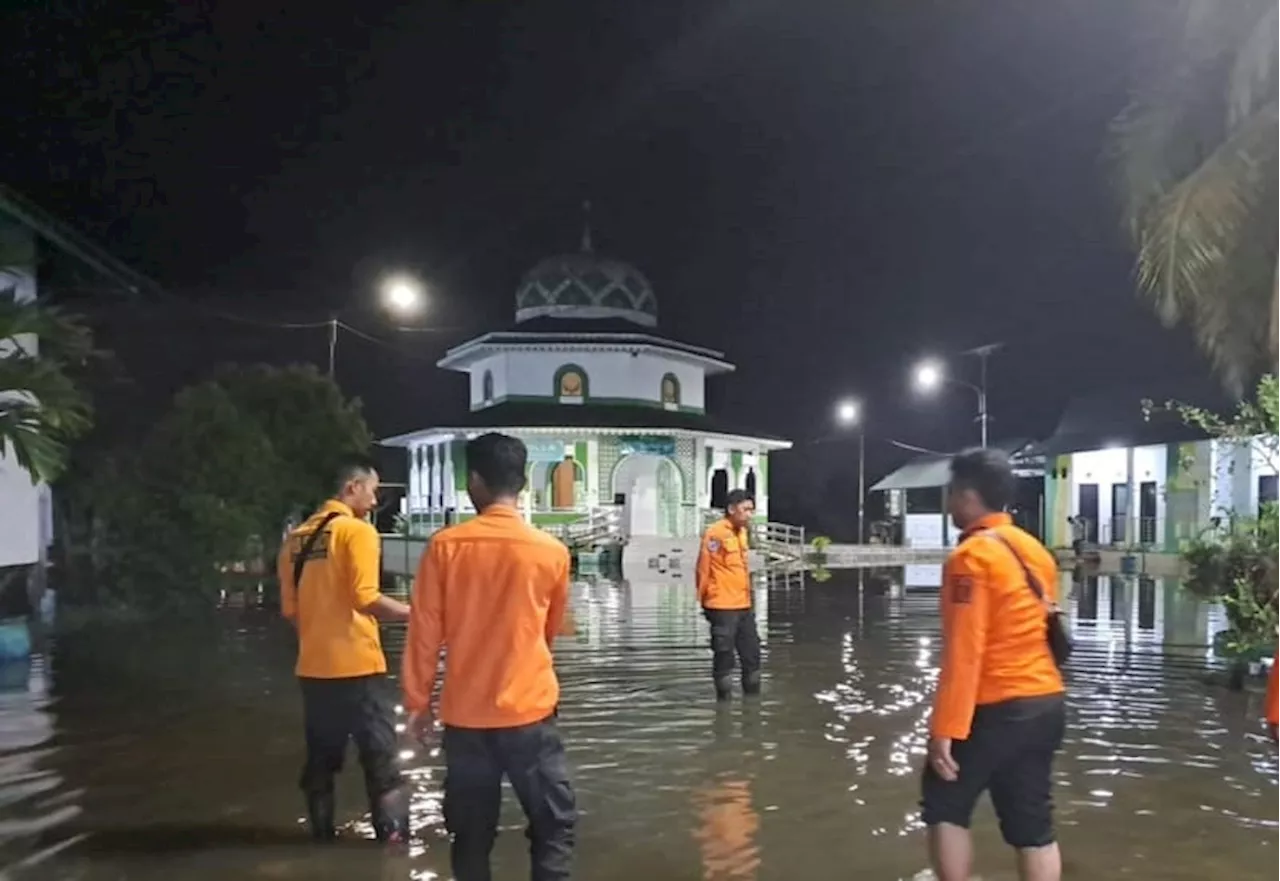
<point>614,414</point>
<point>29,236</point>
<point>26,518</point>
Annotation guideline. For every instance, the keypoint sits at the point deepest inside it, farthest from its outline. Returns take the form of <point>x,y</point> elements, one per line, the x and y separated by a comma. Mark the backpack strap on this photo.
<point>304,553</point>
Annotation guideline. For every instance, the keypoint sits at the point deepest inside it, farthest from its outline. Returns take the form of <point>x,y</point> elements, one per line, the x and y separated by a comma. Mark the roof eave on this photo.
<point>462,356</point>
<point>447,433</point>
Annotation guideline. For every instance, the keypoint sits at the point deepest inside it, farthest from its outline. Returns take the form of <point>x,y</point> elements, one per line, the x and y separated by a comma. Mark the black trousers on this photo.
<point>1009,752</point>
<point>532,757</point>
<point>734,631</point>
<point>339,710</point>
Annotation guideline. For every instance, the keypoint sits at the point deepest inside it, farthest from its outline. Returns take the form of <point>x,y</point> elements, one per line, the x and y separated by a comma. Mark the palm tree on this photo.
<point>41,406</point>
<point>1197,154</point>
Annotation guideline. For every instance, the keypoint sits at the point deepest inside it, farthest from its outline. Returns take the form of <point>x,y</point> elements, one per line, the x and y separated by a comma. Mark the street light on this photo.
<point>930,374</point>
<point>401,295</point>
<point>849,415</point>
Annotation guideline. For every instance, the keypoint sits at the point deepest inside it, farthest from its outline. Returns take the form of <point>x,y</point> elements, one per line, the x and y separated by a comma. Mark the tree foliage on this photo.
<point>212,482</point>
<point>1196,159</point>
<point>1237,566</point>
<point>42,406</point>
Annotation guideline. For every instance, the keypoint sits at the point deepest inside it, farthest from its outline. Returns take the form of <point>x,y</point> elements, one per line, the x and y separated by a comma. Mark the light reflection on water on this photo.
<point>177,759</point>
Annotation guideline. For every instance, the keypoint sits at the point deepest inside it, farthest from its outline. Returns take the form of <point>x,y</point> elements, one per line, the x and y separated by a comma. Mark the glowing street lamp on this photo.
<point>847,412</point>
<point>930,375</point>
<point>403,295</point>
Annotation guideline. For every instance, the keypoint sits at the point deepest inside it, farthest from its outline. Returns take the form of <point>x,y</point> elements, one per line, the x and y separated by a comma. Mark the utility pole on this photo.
<point>862,482</point>
<point>982,353</point>
<point>333,344</point>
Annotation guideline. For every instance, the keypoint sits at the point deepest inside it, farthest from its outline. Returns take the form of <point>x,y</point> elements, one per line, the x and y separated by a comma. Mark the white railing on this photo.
<point>598,525</point>
<point>852,555</point>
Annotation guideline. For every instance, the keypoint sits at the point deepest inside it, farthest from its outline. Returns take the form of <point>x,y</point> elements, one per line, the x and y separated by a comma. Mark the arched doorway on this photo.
<point>652,490</point>
<point>750,483</point>
<point>719,487</point>
<point>564,478</point>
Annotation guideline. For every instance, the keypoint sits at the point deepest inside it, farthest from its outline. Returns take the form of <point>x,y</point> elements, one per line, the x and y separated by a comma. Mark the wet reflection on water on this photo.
<point>176,755</point>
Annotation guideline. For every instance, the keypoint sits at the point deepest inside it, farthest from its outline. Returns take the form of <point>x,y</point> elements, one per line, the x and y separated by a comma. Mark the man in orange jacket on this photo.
<point>492,592</point>
<point>999,711</point>
<point>1273,695</point>
<point>724,592</point>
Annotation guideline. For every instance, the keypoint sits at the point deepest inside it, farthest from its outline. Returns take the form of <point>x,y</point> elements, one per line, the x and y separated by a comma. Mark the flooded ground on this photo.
<point>174,755</point>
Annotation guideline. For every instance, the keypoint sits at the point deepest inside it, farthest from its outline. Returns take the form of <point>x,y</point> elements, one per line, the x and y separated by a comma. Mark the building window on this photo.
<point>1267,490</point>
<point>670,391</point>
<point>571,384</point>
<point>486,387</point>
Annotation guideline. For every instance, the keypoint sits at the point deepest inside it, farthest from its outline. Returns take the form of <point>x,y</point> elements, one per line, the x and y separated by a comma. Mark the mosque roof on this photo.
<point>586,286</point>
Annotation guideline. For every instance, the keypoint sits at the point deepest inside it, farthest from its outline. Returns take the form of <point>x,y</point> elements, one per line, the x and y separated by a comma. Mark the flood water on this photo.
<point>175,754</point>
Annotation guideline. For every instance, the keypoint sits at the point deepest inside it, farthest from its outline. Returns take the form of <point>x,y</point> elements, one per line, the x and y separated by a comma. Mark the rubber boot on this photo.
<point>390,815</point>
<point>320,816</point>
<point>724,688</point>
<point>751,682</point>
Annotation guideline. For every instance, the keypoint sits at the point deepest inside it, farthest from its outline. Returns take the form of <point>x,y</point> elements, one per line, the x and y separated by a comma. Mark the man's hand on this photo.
<point>422,726</point>
<point>940,759</point>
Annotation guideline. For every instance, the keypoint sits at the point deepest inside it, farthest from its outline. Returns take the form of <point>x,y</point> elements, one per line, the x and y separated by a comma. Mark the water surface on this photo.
<point>175,754</point>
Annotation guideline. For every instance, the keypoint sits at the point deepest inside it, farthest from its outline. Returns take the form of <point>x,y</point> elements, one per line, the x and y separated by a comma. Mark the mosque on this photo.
<point>612,411</point>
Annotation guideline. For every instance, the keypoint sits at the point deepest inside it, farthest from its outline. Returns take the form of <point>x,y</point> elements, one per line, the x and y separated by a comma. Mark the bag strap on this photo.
<point>1032,581</point>
<point>305,551</point>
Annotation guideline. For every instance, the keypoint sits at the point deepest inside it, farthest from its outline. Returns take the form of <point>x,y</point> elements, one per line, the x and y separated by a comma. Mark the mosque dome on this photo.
<point>586,285</point>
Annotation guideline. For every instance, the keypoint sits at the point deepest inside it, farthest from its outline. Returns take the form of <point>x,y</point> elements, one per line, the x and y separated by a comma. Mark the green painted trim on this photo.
<point>551,518</point>
<point>566,368</point>
<point>735,468</point>
<point>641,403</point>
<point>762,478</point>
<point>459,465</point>
<point>581,456</point>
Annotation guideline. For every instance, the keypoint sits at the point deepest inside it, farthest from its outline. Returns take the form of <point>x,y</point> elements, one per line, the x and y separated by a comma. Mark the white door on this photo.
<point>642,503</point>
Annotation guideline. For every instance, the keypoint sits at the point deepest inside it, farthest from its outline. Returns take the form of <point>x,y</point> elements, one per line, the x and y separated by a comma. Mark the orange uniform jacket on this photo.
<point>723,579</point>
<point>1273,692</point>
<point>994,646</point>
<point>336,640</point>
<point>492,591</point>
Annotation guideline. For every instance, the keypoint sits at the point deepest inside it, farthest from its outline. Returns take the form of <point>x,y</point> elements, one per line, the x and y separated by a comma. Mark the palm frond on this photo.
<point>1253,74</point>
<point>24,435</point>
<point>1191,234</point>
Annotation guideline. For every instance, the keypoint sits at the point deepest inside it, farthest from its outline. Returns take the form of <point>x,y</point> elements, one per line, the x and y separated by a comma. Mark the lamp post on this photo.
<point>849,415</point>
<point>931,373</point>
<point>401,295</point>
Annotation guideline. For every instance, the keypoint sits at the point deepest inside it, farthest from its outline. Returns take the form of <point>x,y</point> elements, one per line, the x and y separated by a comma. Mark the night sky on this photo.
<point>823,190</point>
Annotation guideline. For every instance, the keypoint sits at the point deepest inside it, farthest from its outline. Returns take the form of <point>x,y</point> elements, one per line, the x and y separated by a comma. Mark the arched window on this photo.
<point>486,387</point>
<point>571,384</point>
<point>670,391</point>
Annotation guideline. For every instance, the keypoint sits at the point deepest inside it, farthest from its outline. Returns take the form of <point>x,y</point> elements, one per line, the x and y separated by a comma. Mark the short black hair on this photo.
<point>499,460</point>
<point>737,497</point>
<point>988,473</point>
<point>352,468</point>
